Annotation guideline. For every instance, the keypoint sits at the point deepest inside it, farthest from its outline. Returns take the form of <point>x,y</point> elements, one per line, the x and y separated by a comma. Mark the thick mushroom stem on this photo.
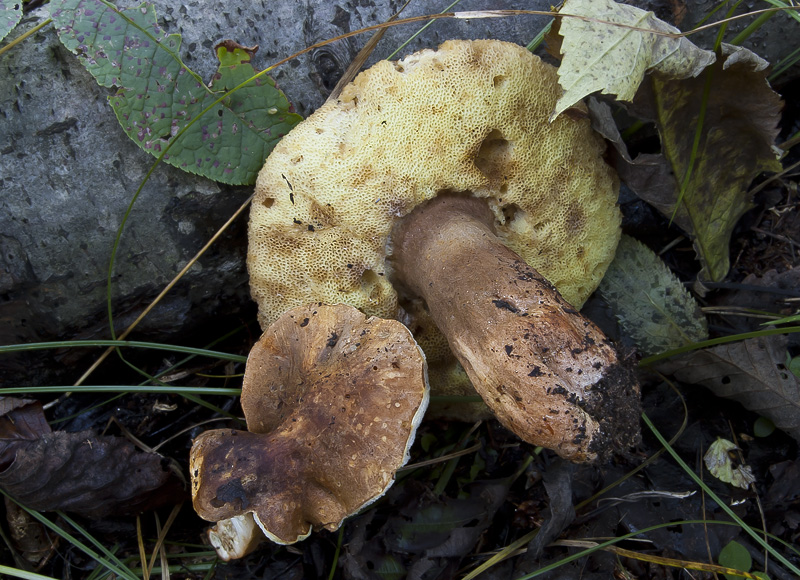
<point>547,373</point>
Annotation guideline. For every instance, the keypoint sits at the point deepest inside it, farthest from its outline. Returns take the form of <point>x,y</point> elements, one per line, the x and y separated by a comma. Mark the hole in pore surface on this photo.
<point>510,212</point>
<point>369,278</point>
<point>494,159</point>
<point>267,203</point>
<point>499,81</point>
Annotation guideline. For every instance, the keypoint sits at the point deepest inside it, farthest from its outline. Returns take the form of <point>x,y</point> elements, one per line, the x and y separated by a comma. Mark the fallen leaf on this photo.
<point>784,490</point>
<point>606,50</point>
<point>158,95</point>
<point>94,476</point>
<point>426,536</point>
<point>774,292</point>
<point>735,556</point>
<point>21,421</point>
<point>560,513</point>
<point>10,15</point>
<point>739,115</point>
<point>29,537</point>
<point>651,304</point>
<point>720,464</point>
<point>752,372</point>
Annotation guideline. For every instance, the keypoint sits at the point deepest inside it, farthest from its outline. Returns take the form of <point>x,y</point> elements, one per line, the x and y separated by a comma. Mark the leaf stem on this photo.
<point>25,35</point>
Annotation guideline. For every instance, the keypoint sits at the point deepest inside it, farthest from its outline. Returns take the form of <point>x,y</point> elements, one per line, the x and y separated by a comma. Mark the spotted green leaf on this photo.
<point>652,306</point>
<point>10,15</point>
<point>708,172</point>
<point>158,96</point>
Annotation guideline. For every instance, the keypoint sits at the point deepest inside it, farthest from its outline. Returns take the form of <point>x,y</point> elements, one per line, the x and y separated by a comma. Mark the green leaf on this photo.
<point>793,364</point>
<point>390,568</point>
<point>735,556</point>
<point>158,96</point>
<point>763,427</point>
<point>652,305</point>
<point>739,114</point>
<point>427,441</point>
<point>608,51</point>
<point>10,15</point>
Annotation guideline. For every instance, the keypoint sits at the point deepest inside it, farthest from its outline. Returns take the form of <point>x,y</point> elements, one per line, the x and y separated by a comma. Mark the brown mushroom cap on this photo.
<point>471,117</point>
<point>332,401</point>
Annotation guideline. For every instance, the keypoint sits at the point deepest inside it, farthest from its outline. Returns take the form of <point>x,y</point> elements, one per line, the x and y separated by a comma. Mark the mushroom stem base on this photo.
<point>547,373</point>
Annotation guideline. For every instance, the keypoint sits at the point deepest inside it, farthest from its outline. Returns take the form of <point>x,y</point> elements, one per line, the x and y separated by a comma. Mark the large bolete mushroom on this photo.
<point>436,188</point>
<point>332,402</point>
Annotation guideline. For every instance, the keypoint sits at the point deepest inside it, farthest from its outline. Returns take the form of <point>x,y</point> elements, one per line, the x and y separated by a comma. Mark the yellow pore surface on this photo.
<point>471,117</point>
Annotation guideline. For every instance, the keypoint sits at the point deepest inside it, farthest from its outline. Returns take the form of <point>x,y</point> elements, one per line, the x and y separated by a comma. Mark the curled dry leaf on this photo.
<point>752,372</point>
<point>29,537</point>
<point>78,472</point>
<point>609,51</point>
<point>720,464</point>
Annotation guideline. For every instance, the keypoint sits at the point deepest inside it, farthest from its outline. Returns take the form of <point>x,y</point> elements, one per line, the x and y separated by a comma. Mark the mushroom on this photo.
<point>435,190</point>
<point>332,402</point>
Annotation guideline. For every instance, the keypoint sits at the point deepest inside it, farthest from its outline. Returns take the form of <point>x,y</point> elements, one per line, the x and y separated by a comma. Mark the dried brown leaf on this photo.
<point>21,420</point>
<point>79,472</point>
<point>751,372</point>
<point>29,537</point>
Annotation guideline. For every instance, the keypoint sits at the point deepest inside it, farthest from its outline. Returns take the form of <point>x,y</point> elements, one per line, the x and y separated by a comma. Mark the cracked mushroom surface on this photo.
<point>467,121</point>
<point>332,401</point>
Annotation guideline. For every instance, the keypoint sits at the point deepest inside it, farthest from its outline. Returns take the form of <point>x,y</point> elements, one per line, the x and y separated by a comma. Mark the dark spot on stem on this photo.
<point>502,304</point>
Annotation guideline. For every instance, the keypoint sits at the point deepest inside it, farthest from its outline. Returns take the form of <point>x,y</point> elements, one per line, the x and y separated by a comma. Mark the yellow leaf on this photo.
<point>610,49</point>
<point>720,465</point>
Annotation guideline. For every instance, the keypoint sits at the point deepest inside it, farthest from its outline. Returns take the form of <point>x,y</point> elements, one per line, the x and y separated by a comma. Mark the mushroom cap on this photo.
<point>332,401</point>
<point>472,116</point>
